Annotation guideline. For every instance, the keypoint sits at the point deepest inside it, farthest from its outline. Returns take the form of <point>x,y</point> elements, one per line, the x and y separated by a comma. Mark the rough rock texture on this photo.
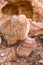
<point>37,9</point>
<point>19,7</point>
<point>6,54</point>
<point>32,9</point>
<point>36,28</point>
<point>35,58</point>
<point>15,28</point>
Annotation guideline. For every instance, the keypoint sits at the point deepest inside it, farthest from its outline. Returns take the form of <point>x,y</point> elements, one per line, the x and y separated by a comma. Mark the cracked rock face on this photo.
<point>15,28</point>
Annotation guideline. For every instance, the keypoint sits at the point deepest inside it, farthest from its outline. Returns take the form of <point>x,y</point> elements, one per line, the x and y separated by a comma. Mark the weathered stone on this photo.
<point>26,47</point>
<point>15,28</point>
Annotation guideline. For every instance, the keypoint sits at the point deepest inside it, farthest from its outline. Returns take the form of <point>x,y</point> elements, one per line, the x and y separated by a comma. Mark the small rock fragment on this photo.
<point>7,54</point>
<point>41,61</point>
<point>26,47</point>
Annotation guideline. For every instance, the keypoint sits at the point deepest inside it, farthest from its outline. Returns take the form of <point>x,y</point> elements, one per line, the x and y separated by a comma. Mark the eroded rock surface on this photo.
<point>15,28</point>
